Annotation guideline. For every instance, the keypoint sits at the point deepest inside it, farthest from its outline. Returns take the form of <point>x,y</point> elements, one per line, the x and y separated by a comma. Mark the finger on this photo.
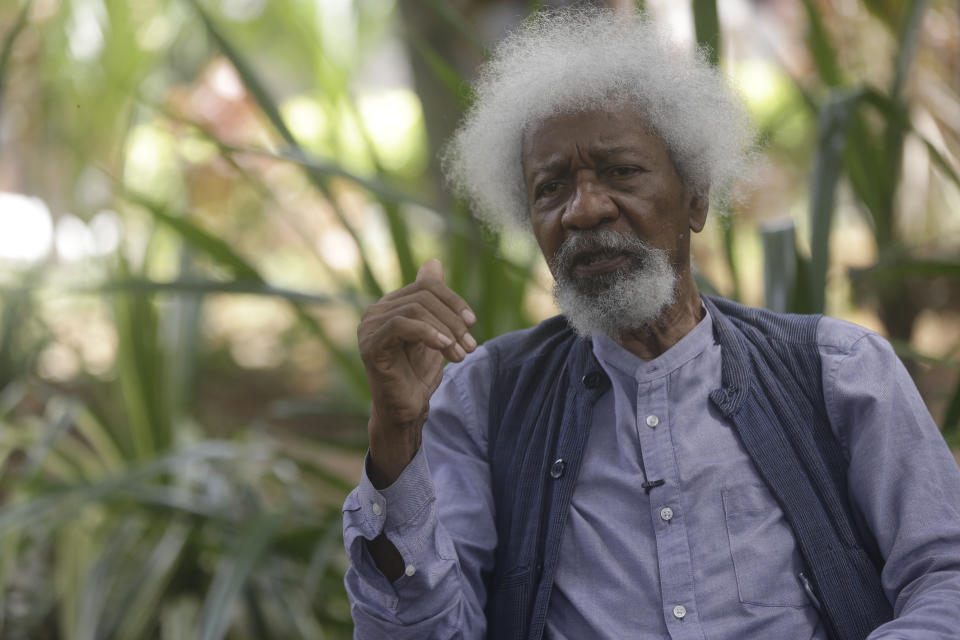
<point>443,293</point>
<point>450,298</point>
<point>406,329</point>
<point>426,307</point>
<point>425,304</point>
<point>432,268</point>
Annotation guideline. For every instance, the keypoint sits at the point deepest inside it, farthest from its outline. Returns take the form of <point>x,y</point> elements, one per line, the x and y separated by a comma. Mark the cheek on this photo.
<point>548,237</point>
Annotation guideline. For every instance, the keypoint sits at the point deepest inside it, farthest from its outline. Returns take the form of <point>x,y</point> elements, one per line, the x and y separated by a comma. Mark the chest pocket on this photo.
<point>764,552</point>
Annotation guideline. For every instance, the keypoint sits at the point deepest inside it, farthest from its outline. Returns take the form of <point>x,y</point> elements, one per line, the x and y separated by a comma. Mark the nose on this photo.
<point>591,206</point>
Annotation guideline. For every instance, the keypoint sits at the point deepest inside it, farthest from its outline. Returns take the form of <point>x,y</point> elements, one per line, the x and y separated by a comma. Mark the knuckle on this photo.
<point>414,309</point>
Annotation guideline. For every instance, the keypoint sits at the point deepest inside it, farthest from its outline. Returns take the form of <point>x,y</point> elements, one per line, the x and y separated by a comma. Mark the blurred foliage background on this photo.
<point>199,197</point>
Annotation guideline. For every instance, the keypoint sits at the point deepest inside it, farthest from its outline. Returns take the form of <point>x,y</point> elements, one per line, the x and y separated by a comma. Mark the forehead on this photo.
<point>594,132</point>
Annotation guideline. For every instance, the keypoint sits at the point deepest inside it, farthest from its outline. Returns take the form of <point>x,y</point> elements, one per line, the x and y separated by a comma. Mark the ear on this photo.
<point>698,207</point>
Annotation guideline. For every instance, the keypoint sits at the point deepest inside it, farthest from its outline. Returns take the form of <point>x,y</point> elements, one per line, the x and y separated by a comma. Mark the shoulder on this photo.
<point>762,325</point>
<point>841,338</point>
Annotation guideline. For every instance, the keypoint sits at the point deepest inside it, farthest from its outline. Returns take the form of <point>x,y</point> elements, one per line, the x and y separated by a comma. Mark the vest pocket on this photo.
<point>764,552</point>
<point>507,609</point>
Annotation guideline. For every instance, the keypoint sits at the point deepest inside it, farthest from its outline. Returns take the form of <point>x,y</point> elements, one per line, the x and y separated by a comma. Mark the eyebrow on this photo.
<point>557,162</point>
<point>612,151</point>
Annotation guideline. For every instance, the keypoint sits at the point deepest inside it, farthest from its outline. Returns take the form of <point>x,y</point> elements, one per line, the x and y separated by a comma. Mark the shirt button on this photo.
<point>377,509</point>
<point>592,380</point>
<point>558,468</point>
<point>679,612</point>
<point>410,570</point>
<point>666,514</point>
<point>652,421</point>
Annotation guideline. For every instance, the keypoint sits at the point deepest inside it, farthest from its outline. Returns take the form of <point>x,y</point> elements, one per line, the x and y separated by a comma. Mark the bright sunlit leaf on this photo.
<point>394,120</point>
<point>85,30</point>
<point>306,119</point>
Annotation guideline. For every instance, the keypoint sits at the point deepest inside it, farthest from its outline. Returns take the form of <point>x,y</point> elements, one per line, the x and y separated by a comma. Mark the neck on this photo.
<point>671,325</point>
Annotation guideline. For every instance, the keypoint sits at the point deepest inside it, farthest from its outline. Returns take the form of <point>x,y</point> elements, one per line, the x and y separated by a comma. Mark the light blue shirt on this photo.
<point>707,554</point>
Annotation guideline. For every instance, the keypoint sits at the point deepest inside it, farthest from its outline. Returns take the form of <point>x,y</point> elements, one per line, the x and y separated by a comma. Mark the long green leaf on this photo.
<point>198,238</point>
<point>706,23</point>
<point>221,252</point>
<point>912,268</point>
<point>320,559</point>
<point>895,132</point>
<point>378,187</point>
<point>95,594</point>
<point>8,42</point>
<point>896,114</point>
<point>819,43</point>
<point>141,603</point>
<point>455,19</point>
<point>140,365</point>
<point>232,573</point>
<point>397,226</point>
<point>208,287</point>
<point>909,34</point>
<point>729,229</point>
<point>259,91</point>
<point>53,505</point>
<point>100,438</point>
<point>443,70</point>
<point>779,264</point>
<point>831,143</point>
<point>951,418</point>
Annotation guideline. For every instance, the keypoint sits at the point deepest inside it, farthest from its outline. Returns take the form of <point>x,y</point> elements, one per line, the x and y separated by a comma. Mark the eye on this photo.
<point>548,188</point>
<point>623,171</point>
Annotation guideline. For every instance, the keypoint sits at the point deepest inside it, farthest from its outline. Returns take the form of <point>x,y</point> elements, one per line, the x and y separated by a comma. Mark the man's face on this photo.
<point>611,215</point>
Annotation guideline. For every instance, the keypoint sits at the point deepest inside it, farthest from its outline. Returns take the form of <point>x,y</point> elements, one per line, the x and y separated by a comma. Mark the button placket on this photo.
<point>654,428</point>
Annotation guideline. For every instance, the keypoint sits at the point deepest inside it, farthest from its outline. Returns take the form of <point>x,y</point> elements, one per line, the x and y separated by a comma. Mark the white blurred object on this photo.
<point>26,228</point>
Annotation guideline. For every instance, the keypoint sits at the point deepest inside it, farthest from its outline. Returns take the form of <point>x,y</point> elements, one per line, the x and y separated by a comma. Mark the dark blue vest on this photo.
<point>546,383</point>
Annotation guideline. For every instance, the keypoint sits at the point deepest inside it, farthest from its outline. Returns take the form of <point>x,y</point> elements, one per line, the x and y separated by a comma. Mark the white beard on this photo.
<point>612,303</point>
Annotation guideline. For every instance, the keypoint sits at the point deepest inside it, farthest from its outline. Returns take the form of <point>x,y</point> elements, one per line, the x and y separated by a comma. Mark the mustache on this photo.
<point>583,246</point>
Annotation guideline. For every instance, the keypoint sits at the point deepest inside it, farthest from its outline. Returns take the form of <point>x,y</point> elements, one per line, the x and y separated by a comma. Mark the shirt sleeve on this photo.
<point>903,479</point>
<point>438,514</point>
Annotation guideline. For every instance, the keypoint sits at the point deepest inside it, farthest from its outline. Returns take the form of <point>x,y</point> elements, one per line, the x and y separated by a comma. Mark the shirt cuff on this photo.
<point>401,512</point>
<point>397,506</point>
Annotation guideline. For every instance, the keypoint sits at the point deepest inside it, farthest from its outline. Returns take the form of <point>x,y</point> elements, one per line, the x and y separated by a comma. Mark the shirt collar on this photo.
<point>611,354</point>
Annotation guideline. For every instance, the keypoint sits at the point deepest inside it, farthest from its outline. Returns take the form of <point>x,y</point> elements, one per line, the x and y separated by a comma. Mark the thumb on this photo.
<point>432,268</point>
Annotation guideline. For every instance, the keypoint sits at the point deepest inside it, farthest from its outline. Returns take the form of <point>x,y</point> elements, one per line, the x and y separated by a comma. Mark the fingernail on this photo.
<point>468,341</point>
<point>460,353</point>
<point>444,339</point>
<point>468,316</point>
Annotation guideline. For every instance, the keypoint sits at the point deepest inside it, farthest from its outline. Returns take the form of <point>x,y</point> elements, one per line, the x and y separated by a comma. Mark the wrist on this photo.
<point>391,450</point>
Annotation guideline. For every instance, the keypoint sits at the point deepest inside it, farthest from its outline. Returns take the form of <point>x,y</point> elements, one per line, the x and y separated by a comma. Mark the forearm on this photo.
<point>388,457</point>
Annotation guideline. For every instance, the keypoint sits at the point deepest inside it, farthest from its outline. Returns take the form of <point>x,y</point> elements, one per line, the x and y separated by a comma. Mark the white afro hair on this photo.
<point>584,59</point>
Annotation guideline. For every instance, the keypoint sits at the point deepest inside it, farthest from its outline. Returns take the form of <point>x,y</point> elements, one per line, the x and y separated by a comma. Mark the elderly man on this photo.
<point>655,463</point>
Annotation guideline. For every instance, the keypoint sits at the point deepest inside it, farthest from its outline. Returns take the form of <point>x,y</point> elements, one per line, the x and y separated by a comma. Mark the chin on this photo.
<point>617,303</point>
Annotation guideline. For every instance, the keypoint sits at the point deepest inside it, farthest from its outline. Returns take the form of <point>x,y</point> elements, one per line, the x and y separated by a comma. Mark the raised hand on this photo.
<point>404,338</point>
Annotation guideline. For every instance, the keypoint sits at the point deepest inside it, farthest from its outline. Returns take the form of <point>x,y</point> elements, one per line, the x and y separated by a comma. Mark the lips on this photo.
<point>588,263</point>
